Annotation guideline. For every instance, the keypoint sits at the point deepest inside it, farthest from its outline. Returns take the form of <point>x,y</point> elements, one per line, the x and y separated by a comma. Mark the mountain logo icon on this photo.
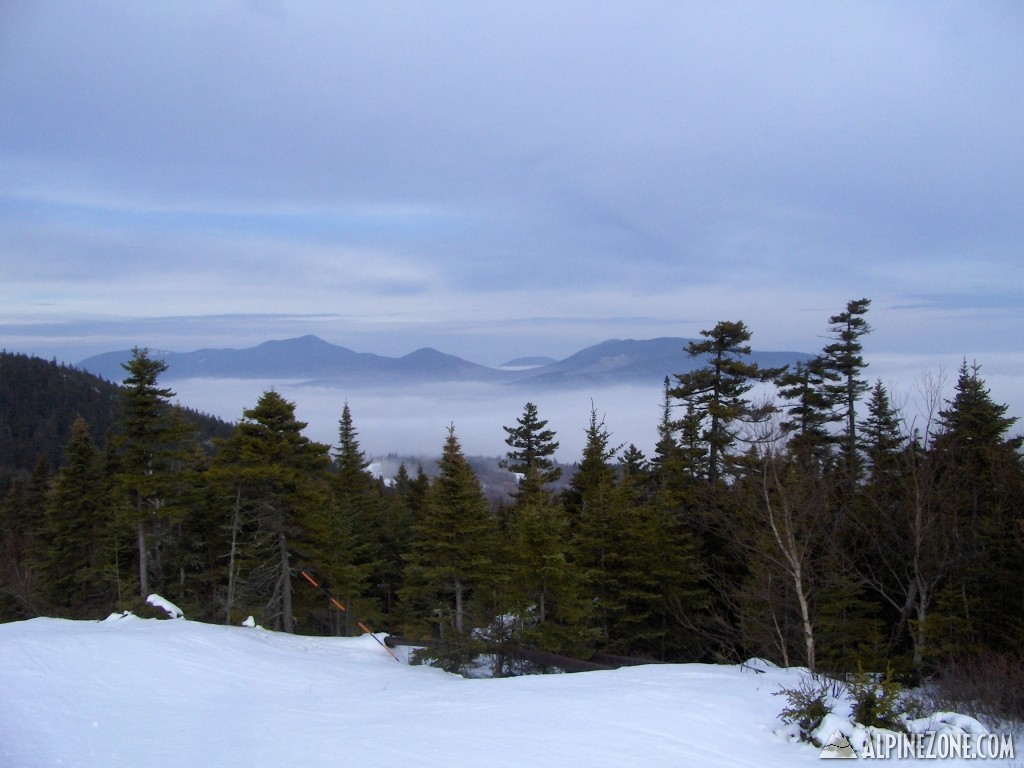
<point>837,748</point>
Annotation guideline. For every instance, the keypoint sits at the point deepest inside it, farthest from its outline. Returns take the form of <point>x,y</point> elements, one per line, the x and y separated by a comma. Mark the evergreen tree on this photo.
<point>77,557</point>
<point>408,507</point>
<point>591,505</point>
<point>277,480</point>
<point>844,357</point>
<point>451,555</point>
<point>677,471</point>
<point>717,392</point>
<point>634,465</point>
<point>354,556</point>
<point>153,447</point>
<point>531,450</point>
<point>22,517</point>
<point>545,589</point>
<point>881,437</point>
<point>982,479</point>
<point>813,409</point>
<point>541,583</point>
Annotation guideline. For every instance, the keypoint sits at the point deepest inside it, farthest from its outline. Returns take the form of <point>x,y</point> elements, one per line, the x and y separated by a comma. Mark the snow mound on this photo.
<point>109,694</point>
<point>951,722</point>
<point>165,605</point>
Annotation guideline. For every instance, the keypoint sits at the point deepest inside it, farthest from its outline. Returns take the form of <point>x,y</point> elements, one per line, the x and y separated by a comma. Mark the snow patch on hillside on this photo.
<point>180,694</point>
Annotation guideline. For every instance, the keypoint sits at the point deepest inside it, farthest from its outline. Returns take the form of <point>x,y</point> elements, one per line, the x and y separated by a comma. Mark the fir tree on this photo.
<point>982,480</point>
<point>153,447</point>
<point>844,357</point>
<point>591,505</point>
<point>531,448</point>
<point>451,553</point>
<point>717,392</point>
<point>353,552</point>
<point>22,517</point>
<point>277,478</point>
<point>881,437</point>
<point>77,565</point>
<point>813,409</point>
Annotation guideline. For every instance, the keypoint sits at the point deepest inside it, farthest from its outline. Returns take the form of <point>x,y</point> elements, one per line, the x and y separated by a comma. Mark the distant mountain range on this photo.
<point>314,361</point>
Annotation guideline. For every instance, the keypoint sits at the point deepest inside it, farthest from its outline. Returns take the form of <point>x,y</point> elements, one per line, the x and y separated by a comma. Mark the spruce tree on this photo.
<point>982,479</point>
<point>77,568</point>
<point>541,583</point>
<point>407,506</point>
<point>881,437</point>
<point>531,450</point>
<point>718,390</point>
<point>844,357</point>
<point>353,552</point>
<point>22,515</point>
<point>278,485</point>
<point>451,554</point>
<point>153,451</point>
<point>591,504</point>
<point>813,409</point>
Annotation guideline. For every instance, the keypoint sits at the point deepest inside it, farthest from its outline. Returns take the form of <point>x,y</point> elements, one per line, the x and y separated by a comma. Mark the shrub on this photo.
<point>869,700</point>
<point>881,702</point>
<point>810,701</point>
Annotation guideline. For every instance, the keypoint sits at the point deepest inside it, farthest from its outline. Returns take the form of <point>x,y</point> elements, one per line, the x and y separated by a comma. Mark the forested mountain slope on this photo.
<point>39,401</point>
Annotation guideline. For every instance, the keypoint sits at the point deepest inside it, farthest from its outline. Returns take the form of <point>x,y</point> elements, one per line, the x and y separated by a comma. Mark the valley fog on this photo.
<point>413,420</point>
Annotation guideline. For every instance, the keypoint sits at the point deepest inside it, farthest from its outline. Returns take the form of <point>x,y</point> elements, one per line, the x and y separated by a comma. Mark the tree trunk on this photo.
<point>792,555</point>
<point>458,605</point>
<point>286,585</point>
<point>920,633</point>
<point>143,562</point>
<point>230,601</point>
<point>805,618</point>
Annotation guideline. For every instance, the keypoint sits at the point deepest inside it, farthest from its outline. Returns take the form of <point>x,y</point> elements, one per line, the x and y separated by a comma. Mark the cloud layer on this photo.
<point>500,179</point>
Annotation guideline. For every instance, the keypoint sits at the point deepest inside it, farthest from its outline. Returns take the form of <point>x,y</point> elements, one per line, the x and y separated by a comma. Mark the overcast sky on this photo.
<point>497,179</point>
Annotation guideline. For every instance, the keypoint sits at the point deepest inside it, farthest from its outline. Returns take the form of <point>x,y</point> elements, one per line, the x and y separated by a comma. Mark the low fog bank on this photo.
<point>413,420</point>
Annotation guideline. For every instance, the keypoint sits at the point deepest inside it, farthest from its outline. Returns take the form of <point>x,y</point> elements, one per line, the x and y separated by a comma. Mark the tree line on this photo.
<point>823,527</point>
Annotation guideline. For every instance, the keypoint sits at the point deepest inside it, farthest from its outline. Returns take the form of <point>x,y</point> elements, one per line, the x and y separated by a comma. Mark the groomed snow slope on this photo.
<point>134,692</point>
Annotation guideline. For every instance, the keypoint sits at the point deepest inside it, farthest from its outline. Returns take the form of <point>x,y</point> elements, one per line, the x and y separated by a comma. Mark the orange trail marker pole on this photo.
<point>337,604</point>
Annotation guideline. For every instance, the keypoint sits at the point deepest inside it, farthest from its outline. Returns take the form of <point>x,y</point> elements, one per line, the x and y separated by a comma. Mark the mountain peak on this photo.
<point>311,359</point>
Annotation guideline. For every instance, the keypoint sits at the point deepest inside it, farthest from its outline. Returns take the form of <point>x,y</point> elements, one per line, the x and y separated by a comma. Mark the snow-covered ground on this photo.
<point>148,693</point>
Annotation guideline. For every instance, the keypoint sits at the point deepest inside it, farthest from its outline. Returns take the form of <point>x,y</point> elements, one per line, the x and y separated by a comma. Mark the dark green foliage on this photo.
<point>812,412</point>
<point>78,555</point>
<point>39,401</point>
<point>875,701</point>
<point>361,548</point>
<point>531,451</point>
<point>880,702</point>
<point>717,392</point>
<point>22,518</point>
<point>740,536</point>
<point>981,481</point>
<point>274,479</point>
<point>154,445</point>
<point>452,550</point>
<point>596,525</point>
<point>809,702</point>
<point>844,358</point>
<point>542,589</point>
<point>882,439</point>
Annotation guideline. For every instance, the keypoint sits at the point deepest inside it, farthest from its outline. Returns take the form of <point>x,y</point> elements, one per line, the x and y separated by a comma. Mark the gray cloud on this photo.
<point>441,173</point>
